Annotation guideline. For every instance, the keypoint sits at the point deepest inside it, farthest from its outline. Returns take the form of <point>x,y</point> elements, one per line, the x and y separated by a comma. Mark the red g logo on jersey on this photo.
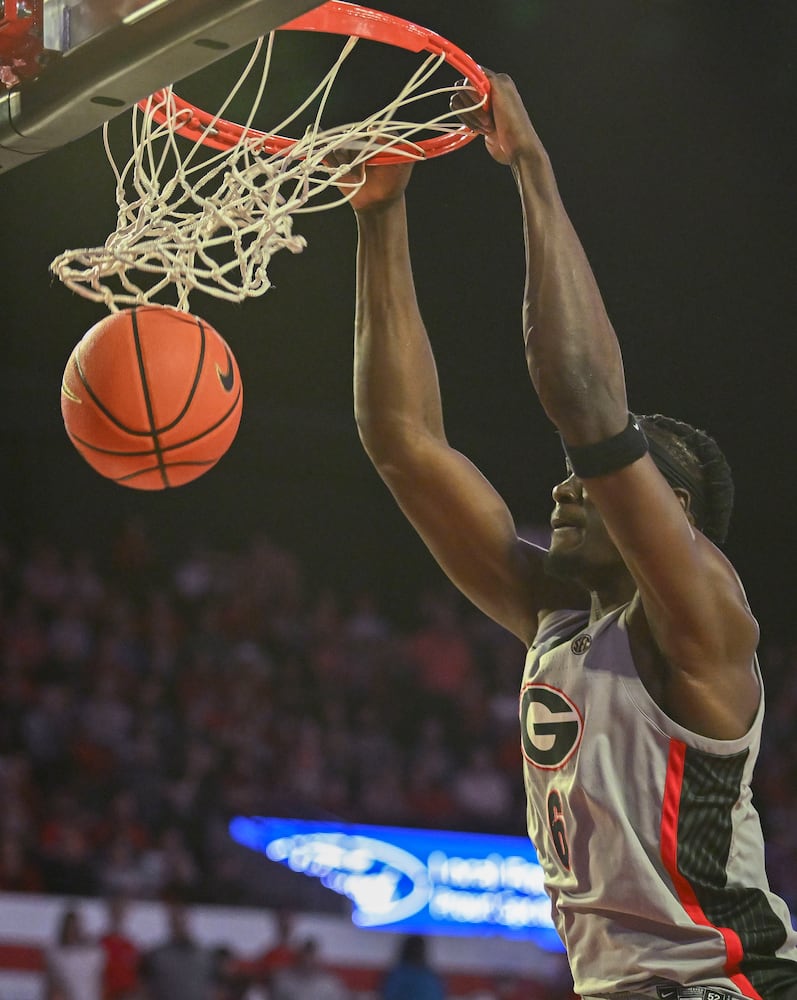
<point>550,726</point>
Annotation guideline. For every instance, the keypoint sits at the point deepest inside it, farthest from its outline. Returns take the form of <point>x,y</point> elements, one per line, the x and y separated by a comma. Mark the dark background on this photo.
<point>671,126</point>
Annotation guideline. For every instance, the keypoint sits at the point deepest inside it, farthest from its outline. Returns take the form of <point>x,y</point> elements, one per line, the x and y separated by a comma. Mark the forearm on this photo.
<point>572,352</point>
<point>396,392</point>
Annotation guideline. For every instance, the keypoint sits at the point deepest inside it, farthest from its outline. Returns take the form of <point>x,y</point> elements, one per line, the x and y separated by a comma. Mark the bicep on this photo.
<point>691,595</point>
<point>469,530</point>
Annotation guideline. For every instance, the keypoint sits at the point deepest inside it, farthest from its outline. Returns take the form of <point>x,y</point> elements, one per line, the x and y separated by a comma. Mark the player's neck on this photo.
<point>608,598</point>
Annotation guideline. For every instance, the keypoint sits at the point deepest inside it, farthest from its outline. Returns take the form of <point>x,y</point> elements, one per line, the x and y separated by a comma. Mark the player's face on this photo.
<point>581,548</point>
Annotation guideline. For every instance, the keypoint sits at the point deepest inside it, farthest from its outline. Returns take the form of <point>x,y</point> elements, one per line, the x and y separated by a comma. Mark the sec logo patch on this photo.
<point>581,644</point>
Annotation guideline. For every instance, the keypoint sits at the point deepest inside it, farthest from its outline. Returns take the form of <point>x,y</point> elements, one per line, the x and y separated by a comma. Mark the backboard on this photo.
<point>68,66</point>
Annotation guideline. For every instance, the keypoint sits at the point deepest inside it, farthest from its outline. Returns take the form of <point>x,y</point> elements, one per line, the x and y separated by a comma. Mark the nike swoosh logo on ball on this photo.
<point>227,378</point>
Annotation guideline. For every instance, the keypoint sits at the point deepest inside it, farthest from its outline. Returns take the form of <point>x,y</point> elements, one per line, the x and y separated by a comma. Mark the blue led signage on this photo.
<point>423,881</point>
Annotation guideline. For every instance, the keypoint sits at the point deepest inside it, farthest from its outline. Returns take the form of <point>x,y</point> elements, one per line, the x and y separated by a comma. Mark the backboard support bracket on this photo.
<point>111,72</point>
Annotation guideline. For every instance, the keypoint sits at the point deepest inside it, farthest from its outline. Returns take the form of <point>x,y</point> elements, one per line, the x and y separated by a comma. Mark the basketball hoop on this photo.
<point>209,216</point>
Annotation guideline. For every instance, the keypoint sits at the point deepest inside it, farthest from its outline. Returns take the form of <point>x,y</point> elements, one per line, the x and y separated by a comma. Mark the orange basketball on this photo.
<point>151,397</point>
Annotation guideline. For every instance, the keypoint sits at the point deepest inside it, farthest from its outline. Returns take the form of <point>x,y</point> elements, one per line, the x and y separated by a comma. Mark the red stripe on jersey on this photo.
<point>671,805</point>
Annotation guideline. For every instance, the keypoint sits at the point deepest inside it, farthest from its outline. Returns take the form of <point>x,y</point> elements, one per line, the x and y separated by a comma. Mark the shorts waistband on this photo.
<point>694,993</point>
<point>672,991</point>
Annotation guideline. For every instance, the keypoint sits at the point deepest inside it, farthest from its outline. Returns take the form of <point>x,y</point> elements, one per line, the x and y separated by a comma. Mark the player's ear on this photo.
<point>685,500</point>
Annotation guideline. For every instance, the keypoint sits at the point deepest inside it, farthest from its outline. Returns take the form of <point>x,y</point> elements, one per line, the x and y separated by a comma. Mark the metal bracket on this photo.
<point>112,71</point>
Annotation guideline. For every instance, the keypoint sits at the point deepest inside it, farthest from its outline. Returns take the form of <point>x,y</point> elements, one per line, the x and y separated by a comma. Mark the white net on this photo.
<point>192,221</point>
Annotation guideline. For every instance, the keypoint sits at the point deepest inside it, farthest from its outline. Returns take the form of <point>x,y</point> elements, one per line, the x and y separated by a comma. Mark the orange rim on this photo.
<point>338,18</point>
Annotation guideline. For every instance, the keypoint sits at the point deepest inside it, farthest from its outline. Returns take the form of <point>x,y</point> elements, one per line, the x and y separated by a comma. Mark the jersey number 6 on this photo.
<point>556,823</point>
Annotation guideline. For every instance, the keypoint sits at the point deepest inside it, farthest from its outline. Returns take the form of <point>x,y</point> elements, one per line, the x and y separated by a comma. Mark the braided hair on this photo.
<point>691,459</point>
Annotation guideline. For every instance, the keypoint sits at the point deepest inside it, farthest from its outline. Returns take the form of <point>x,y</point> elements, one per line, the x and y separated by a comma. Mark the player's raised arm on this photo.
<point>689,615</point>
<point>461,518</point>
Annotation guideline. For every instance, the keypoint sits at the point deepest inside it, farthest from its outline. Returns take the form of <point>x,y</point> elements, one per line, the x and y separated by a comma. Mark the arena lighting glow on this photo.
<point>424,881</point>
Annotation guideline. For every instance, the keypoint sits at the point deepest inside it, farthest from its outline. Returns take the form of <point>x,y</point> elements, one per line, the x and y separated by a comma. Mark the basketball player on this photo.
<point>641,701</point>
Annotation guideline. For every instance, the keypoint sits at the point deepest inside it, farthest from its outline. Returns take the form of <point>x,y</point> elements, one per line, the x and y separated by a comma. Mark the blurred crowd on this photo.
<point>113,966</point>
<point>143,702</point>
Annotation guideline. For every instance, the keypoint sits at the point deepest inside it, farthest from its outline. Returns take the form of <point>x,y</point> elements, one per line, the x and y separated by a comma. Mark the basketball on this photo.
<point>151,397</point>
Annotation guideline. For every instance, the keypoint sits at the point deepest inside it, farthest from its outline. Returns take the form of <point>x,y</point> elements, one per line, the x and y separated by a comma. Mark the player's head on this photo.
<point>691,461</point>
<point>581,548</point>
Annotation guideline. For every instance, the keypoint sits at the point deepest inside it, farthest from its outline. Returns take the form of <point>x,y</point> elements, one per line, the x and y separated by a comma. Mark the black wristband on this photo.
<point>609,455</point>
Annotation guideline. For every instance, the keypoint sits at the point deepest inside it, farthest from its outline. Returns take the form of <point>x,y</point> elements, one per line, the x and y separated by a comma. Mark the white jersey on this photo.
<point>652,849</point>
